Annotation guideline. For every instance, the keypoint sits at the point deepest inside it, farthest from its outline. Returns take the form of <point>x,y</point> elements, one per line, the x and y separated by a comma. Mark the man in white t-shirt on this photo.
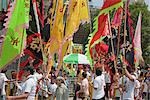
<point>28,87</point>
<point>99,83</point>
<point>38,74</point>
<point>3,79</point>
<point>52,86</point>
<point>128,83</point>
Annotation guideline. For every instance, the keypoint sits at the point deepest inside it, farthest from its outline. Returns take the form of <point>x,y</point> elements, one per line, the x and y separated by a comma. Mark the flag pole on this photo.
<point>124,41</point>
<point>19,61</point>
<point>112,45</point>
<point>119,31</point>
<point>125,31</point>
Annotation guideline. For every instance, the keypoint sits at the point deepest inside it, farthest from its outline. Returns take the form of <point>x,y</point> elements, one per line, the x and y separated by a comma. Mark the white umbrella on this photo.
<point>76,59</point>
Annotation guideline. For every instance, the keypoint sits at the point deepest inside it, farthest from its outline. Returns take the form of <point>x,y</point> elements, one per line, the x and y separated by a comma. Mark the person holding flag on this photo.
<point>28,90</point>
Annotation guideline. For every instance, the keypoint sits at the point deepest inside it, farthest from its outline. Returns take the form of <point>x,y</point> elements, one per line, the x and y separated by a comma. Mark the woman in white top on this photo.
<point>83,93</point>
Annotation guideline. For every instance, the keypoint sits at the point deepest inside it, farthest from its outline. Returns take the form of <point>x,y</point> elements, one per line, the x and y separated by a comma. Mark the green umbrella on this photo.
<point>76,59</point>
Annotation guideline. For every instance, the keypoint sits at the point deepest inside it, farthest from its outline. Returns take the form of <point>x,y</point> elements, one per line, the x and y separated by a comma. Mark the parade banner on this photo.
<point>56,34</point>
<point>17,21</point>
<point>101,27</point>
<point>78,13</point>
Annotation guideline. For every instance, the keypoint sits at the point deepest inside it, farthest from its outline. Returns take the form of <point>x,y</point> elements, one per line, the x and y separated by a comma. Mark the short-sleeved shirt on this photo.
<point>37,76</point>
<point>3,78</point>
<point>129,87</point>
<point>29,86</point>
<point>99,83</point>
<point>52,88</point>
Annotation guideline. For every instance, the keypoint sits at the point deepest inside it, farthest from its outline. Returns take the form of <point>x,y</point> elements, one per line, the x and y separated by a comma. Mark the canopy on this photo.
<point>76,59</point>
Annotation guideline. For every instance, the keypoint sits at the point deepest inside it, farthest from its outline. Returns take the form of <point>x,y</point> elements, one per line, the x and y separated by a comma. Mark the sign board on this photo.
<point>77,48</point>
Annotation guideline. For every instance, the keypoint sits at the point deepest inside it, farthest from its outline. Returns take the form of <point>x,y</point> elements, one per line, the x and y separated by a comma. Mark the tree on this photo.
<point>135,8</point>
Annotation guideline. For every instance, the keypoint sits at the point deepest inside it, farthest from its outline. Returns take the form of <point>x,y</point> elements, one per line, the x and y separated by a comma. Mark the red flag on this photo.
<point>110,3</point>
<point>116,22</point>
<point>102,31</point>
<point>101,26</point>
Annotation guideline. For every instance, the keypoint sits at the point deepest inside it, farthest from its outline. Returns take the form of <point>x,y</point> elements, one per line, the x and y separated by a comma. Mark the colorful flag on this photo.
<point>18,17</point>
<point>58,25</point>
<point>52,10</point>
<point>110,5</point>
<point>101,27</point>
<point>78,12</point>
<point>137,42</point>
<point>57,32</point>
<point>116,22</point>
<point>33,49</point>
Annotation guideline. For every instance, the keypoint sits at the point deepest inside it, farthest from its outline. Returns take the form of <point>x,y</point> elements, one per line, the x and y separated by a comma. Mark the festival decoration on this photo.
<point>16,23</point>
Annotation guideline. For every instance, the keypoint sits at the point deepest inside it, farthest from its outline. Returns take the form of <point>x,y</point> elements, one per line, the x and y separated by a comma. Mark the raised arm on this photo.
<point>131,77</point>
<point>20,97</point>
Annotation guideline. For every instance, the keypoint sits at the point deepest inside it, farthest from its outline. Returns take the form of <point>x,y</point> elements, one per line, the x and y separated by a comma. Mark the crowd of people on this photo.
<point>128,83</point>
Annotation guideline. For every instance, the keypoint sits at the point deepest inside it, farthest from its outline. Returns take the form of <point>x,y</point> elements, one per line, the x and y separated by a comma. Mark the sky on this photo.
<point>148,3</point>
<point>98,3</point>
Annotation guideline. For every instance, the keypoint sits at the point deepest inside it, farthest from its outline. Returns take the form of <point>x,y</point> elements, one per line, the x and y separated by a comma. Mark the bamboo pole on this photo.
<point>124,42</point>
<point>112,45</point>
<point>18,68</point>
<point>125,31</point>
<point>119,31</point>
